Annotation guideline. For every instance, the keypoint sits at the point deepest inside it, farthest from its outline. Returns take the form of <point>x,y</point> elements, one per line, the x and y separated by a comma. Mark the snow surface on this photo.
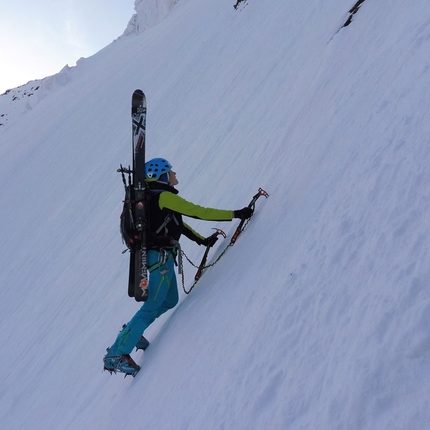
<point>319,316</point>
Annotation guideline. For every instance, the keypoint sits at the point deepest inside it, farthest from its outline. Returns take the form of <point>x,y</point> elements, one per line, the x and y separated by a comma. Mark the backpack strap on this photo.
<point>168,218</point>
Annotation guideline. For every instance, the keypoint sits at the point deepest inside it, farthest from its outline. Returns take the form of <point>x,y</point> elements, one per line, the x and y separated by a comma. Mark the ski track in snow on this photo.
<point>319,316</point>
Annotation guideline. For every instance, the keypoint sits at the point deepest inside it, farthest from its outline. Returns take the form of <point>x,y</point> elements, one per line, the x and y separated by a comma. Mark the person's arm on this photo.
<point>178,204</point>
<point>193,235</point>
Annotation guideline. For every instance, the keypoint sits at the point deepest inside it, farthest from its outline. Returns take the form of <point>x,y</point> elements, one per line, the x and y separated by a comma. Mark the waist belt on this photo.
<point>164,255</point>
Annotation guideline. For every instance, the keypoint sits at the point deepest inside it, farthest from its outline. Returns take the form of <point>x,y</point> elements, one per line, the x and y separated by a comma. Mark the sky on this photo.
<point>319,316</point>
<point>37,39</point>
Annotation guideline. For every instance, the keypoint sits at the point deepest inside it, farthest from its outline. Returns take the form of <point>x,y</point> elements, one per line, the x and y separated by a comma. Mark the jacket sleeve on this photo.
<point>178,204</point>
<point>193,235</point>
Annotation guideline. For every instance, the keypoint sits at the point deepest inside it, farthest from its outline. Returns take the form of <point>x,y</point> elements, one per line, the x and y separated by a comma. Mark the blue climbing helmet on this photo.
<point>157,169</point>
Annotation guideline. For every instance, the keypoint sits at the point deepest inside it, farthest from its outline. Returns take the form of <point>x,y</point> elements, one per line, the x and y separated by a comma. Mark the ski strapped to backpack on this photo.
<point>202,266</point>
<point>140,187</point>
<point>134,218</point>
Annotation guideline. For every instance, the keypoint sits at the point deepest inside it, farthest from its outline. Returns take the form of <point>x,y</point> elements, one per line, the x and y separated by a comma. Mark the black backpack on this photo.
<point>130,235</point>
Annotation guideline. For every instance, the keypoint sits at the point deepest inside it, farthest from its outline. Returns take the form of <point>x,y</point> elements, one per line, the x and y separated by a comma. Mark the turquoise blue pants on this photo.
<point>162,296</point>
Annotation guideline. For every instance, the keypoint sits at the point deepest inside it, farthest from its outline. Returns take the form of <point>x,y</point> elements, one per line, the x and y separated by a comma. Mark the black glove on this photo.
<point>244,213</point>
<point>210,241</point>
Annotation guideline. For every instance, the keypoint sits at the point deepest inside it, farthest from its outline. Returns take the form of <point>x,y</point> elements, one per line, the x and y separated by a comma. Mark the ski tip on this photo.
<point>138,102</point>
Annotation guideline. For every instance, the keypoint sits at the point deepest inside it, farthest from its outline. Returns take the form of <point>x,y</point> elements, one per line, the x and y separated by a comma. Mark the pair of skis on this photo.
<point>138,272</point>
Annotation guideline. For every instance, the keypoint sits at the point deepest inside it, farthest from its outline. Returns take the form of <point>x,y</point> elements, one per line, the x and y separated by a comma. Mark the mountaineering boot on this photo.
<point>142,343</point>
<point>120,363</point>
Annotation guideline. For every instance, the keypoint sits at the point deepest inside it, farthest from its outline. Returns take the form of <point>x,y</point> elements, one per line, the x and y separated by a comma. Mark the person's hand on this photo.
<point>211,240</point>
<point>244,213</point>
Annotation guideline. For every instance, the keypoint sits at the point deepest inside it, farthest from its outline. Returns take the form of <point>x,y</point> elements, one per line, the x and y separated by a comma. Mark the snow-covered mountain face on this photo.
<point>148,13</point>
<point>318,317</point>
<point>14,103</point>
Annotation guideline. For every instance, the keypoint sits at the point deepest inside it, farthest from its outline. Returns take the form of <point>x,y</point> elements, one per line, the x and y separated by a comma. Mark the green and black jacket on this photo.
<point>164,201</point>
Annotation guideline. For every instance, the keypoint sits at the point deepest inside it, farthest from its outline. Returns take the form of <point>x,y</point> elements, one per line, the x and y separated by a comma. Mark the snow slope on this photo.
<point>319,316</point>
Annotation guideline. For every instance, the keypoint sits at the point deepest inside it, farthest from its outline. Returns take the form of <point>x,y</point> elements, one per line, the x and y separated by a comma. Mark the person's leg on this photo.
<point>162,296</point>
<point>172,296</point>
